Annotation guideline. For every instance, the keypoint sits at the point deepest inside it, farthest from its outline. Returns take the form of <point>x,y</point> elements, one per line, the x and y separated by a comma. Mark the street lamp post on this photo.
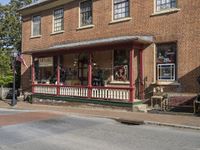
<point>14,54</point>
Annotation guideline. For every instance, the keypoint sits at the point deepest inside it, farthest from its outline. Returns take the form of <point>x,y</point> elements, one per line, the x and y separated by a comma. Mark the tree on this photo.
<point>5,69</point>
<point>10,38</point>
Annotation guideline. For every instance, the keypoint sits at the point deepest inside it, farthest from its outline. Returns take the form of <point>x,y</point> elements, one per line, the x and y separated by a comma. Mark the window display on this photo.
<point>166,61</point>
<point>121,65</point>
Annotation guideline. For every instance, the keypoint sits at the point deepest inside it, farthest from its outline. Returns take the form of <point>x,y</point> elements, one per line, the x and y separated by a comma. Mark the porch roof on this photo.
<point>144,40</point>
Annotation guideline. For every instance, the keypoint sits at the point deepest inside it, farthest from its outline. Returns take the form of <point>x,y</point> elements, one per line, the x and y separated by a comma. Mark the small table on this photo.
<point>161,101</point>
<point>157,99</point>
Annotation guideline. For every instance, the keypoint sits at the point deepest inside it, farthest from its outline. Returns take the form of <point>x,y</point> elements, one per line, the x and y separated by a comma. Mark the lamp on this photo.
<point>14,54</point>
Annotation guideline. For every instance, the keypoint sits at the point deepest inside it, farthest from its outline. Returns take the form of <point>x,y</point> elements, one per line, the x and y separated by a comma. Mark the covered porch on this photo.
<point>101,69</point>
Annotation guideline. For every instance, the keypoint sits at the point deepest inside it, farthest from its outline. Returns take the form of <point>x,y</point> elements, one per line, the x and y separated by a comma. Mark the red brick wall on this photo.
<point>181,26</point>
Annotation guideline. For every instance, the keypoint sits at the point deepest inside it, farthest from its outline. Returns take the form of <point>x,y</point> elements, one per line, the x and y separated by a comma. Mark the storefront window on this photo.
<point>121,65</point>
<point>45,71</point>
<point>166,62</point>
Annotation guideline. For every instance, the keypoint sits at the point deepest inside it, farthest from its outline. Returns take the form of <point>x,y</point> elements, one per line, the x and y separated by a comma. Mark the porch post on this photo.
<point>33,74</point>
<point>90,75</point>
<point>58,75</point>
<point>131,75</point>
<point>141,74</point>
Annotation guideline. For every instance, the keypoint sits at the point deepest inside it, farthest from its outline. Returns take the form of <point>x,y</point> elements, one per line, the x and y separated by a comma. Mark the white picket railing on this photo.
<point>108,93</point>
<point>74,91</point>
<point>40,89</point>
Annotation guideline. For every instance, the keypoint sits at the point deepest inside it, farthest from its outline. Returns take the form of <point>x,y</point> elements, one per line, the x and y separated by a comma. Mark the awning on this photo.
<point>145,40</point>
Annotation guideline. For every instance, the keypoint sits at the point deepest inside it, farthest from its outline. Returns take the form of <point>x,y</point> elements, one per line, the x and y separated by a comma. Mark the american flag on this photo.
<point>21,59</point>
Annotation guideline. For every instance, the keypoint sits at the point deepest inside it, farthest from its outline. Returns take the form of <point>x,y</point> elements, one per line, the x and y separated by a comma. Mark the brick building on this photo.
<point>111,50</point>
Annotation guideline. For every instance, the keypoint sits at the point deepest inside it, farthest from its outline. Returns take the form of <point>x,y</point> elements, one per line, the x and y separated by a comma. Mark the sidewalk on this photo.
<point>181,121</point>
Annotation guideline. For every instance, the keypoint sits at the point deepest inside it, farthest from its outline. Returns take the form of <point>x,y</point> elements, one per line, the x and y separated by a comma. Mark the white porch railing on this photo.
<point>74,91</point>
<point>106,93</point>
<point>45,89</point>
<point>111,93</point>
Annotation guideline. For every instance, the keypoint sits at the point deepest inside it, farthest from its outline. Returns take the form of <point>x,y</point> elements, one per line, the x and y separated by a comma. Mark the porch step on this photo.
<point>138,106</point>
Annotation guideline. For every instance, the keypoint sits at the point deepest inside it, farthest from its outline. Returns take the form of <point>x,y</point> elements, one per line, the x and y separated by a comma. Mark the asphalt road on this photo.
<point>86,133</point>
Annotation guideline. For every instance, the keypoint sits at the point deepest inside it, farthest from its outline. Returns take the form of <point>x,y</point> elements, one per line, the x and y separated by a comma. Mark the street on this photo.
<point>72,132</point>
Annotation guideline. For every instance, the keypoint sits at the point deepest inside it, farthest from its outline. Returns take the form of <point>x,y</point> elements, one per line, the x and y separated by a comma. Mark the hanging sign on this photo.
<point>46,62</point>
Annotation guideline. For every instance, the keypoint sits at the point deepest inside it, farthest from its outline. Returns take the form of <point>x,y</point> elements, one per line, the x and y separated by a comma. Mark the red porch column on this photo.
<point>58,75</point>
<point>141,75</point>
<point>131,75</point>
<point>33,74</point>
<point>90,76</point>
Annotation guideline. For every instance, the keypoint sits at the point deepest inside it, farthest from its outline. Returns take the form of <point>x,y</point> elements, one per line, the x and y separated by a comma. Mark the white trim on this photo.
<point>165,11</point>
<point>59,32</point>
<point>121,20</point>
<point>170,10</point>
<point>85,27</point>
<point>167,83</point>
<point>37,36</point>
<point>172,68</point>
<point>79,16</point>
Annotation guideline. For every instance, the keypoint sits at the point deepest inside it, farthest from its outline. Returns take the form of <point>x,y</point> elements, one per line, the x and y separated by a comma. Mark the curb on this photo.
<point>140,122</point>
<point>171,125</point>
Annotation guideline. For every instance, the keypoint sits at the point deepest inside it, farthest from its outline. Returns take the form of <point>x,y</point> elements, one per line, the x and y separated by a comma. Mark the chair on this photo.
<point>159,100</point>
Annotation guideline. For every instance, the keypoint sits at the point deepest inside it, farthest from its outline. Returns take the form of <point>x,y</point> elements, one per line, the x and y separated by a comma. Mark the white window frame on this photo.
<point>164,10</point>
<point>172,67</point>
<point>85,26</point>
<point>32,26</point>
<point>113,12</point>
<point>53,27</point>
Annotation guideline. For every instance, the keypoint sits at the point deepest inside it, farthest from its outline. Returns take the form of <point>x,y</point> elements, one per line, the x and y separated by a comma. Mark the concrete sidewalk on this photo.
<point>181,121</point>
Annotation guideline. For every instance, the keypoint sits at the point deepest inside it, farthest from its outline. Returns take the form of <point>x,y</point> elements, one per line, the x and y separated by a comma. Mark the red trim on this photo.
<point>90,76</point>
<point>141,75</point>
<point>131,76</point>
<point>58,75</point>
<point>33,74</point>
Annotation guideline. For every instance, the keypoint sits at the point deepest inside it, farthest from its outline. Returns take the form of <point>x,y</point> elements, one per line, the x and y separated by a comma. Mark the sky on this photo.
<point>3,2</point>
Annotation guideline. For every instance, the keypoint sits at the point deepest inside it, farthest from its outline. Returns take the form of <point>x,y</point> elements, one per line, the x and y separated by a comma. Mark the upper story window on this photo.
<point>166,62</point>
<point>165,4</point>
<point>58,20</point>
<point>120,9</point>
<point>36,25</point>
<point>86,12</point>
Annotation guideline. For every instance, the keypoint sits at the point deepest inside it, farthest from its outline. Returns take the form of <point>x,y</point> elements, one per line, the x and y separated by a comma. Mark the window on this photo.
<point>121,65</point>
<point>165,4</point>
<point>36,26</point>
<point>58,20</point>
<point>166,62</point>
<point>120,9</point>
<point>86,13</point>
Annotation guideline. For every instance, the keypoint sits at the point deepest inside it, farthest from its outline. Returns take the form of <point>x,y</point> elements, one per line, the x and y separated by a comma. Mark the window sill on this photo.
<point>37,36</point>
<point>163,12</point>
<point>85,27</point>
<point>59,32</point>
<point>175,83</point>
<point>120,20</point>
